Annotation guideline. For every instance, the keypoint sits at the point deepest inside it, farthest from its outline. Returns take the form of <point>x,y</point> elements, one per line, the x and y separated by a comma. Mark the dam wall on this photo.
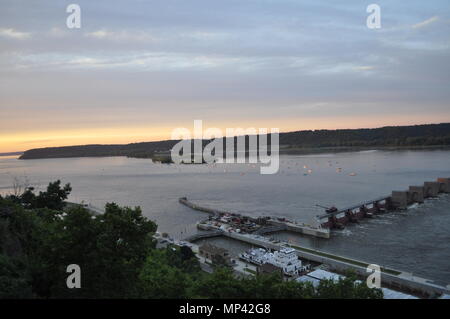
<point>398,200</point>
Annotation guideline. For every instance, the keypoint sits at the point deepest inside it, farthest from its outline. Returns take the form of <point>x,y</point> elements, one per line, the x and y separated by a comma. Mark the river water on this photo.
<point>417,240</point>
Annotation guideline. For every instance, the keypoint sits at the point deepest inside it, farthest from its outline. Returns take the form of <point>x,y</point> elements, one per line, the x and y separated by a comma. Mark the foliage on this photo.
<point>110,248</point>
<point>13,279</point>
<point>53,198</point>
<point>346,288</point>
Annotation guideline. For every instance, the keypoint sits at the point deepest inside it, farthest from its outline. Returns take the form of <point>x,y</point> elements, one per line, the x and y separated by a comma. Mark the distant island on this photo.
<point>390,137</point>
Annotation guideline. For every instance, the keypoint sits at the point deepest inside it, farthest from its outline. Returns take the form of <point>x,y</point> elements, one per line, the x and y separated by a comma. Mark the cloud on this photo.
<point>13,34</point>
<point>425,23</point>
<point>167,61</point>
<point>100,34</point>
<point>128,36</point>
<point>364,68</point>
<point>57,32</point>
<point>337,68</point>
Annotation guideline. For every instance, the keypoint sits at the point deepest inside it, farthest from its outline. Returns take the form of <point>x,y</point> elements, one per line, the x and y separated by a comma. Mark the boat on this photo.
<point>285,258</point>
<point>256,256</point>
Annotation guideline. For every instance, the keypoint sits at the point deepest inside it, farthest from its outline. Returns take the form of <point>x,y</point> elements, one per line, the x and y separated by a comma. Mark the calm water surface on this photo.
<point>417,240</point>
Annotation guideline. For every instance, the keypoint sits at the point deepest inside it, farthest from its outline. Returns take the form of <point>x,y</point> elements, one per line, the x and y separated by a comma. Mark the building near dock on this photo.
<point>286,259</point>
<point>214,253</point>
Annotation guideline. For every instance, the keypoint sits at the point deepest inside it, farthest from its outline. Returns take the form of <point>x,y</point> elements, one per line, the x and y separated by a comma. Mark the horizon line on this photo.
<point>165,140</point>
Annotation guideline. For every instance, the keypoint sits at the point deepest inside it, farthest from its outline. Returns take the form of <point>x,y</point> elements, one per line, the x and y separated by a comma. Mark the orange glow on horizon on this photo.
<point>123,135</point>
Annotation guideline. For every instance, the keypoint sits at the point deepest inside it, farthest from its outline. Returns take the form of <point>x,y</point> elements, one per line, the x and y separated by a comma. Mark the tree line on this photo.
<point>393,136</point>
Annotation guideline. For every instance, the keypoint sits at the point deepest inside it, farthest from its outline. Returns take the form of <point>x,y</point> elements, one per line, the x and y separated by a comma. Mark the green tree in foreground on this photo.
<point>13,279</point>
<point>53,198</point>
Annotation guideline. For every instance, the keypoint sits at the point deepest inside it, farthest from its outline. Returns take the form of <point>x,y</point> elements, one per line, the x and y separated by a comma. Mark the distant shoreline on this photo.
<point>11,154</point>
<point>293,151</point>
<point>429,136</point>
<point>321,150</point>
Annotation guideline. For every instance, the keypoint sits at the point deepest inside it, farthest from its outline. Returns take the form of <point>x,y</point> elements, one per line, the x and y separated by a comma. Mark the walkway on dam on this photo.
<point>343,210</point>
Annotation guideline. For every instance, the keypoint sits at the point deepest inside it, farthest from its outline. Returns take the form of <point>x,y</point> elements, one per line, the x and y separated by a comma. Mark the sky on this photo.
<point>137,69</point>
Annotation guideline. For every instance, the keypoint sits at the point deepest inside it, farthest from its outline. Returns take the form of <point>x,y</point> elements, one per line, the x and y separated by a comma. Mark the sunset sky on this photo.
<point>137,69</point>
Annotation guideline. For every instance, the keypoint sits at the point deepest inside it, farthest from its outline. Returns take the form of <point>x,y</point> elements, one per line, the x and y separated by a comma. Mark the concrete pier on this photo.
<point>213,212</point>
<point>444,185</point>
<point>417,194</point>
<point>302,229</point>
<point>431,189</point>
<point>204,235</point>
<point>276,223</point>
<point>400,199</point>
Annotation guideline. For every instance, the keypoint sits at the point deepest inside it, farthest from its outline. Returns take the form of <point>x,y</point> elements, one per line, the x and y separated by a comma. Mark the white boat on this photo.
<point>257,256</point>
<point>285,258</point>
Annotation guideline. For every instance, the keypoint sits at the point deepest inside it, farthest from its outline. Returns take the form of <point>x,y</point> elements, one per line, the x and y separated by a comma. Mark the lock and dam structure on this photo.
<point>339,218</point>
<point>392,278</point>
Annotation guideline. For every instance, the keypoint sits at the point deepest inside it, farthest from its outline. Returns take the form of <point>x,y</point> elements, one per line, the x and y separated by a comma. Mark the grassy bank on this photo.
<point>343,259</point>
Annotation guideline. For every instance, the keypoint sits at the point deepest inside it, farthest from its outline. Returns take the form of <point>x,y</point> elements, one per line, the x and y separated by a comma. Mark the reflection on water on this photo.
<point>417,240</point>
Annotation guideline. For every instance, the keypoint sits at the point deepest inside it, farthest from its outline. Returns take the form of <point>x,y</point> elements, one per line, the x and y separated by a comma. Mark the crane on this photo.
<point>329,210</point>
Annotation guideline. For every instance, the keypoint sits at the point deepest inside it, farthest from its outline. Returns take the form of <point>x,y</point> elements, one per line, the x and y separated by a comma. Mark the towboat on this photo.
<point>285,258</point>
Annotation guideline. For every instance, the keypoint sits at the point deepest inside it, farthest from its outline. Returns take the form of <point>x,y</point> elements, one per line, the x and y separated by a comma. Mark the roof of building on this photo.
<point>320,274</point>
<point>315,282</point>
<point>324,275</point>
<point>392,294</point>
<point>287,250</point>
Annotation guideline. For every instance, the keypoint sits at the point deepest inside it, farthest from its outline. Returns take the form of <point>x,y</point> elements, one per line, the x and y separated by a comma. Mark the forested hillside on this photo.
<point>393,136</point>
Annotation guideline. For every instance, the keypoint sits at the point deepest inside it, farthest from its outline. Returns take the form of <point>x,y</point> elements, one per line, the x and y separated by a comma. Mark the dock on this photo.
<point>211,211</point>
<point>266,224</point>
<point>204,235</point>
<point>398,200</point>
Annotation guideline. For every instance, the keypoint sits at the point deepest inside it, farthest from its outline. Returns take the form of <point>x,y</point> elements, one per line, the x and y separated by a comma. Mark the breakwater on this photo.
<point>338,218</point>
<point>237,222</point>
<point>211,211</point>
